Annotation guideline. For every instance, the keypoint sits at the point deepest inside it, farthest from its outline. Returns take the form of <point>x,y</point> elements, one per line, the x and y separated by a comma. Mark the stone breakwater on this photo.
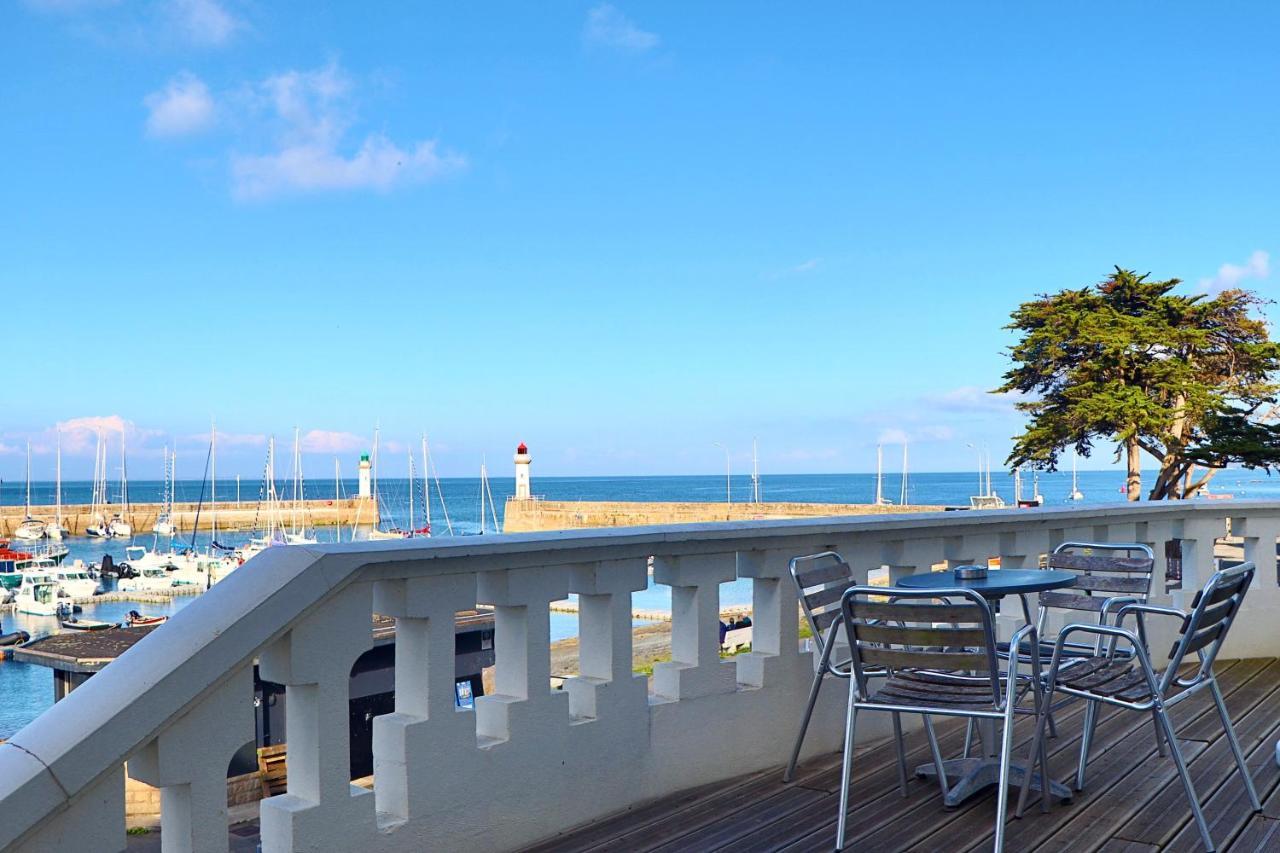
<point>526,516</point>
<point>247,515</point>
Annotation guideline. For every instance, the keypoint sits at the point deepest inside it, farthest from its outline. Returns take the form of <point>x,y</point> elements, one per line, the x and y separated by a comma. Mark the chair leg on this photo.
<point>1086,739</point>
<point>937,754</point>
<point>846,768</point>
<point>968,737</point>
<point>902,754</point>
<point>1002,791</point>
<point>1037,748</point>
<point>1163,718</point>
<point>790,772</point>
<point>1155,722</point>
<point>1235,745</point>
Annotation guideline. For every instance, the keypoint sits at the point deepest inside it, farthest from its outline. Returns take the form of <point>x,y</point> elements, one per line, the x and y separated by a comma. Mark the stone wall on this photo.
<point>527,516</point>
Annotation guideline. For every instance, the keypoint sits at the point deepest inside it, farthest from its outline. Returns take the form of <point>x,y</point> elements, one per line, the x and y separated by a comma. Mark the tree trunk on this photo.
<point>1134,479</point>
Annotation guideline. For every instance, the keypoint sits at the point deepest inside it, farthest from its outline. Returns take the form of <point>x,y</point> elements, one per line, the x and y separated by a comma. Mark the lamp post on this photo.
<point>728,480</point>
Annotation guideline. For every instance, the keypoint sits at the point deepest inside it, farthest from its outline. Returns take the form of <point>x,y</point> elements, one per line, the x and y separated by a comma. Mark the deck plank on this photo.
<point>1132,803</point>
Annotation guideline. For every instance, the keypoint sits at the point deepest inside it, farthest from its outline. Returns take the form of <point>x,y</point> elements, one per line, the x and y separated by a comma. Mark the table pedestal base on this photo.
<point>968,776</point>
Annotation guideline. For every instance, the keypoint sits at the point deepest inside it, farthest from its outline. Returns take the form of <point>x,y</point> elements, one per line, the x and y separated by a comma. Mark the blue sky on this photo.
<point>620,232</point>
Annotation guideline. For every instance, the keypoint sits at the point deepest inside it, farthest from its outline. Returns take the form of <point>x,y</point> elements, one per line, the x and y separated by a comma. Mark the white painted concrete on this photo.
<point>527,762</point>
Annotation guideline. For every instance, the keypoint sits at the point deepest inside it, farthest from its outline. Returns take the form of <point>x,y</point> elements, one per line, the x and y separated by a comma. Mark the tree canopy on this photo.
<point>1186,379</point>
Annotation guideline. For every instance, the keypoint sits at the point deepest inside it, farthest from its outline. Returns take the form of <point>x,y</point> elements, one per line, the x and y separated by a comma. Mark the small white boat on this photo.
<point>75,581</point>
<point>37,595</point>
<point>77,624</point>
<point>151,579</point>
<point>118,528</point>
<point>163,527</point>
<point>138,620</point>
<point>98,528</point>
<point>30,530</point>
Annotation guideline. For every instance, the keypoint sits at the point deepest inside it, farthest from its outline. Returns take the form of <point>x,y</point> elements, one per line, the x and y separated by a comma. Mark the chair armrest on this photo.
<point>1148,608</point>
<point>1115,633</point>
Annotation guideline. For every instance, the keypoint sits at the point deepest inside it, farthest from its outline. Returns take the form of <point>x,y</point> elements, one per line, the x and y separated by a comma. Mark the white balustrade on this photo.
<point>528,761</point>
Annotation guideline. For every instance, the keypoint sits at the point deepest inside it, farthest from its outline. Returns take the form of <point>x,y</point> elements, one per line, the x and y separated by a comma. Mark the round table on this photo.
<point>968,776</point>
<point>997,583</point>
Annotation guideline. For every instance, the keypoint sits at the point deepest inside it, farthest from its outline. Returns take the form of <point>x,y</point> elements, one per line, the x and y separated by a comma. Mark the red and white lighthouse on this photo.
<point>522,473</point>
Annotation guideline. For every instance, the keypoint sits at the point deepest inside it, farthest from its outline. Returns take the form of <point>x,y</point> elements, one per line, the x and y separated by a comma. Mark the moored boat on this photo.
<point>139,620</point>
<point>76,624</point>
<point>14,638</point>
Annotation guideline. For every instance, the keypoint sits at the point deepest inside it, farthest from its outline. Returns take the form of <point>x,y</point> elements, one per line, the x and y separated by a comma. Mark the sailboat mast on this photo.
<point>755,471</point>
<point>484,478</point>
<point>213,477</point>
<point>411,524</point>
<point>903,499</point>
<point>57,488</point>
<point>28,479</point>
<point>124,479</point>
<point>879,474</point>
<point>426,484</point>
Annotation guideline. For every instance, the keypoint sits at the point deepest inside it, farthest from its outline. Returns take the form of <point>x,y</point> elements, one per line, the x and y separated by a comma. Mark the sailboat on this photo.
<point>989,499</point>
<point>58,528</point>
<point>902,499</point>
<point>429,470</point>
<point>376,533</point>
<point>297,532</point>
<point>164,520</point>
<point>31,529</point>
<point>97,525</point>
<point>1076,494</point>
<point>119,526</point>
<point>486,492</point>
<point>881,500</point>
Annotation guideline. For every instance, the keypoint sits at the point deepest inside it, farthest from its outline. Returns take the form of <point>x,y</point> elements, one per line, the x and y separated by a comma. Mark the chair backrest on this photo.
<point>1103,570</point>
<point>820,581</point>
<point>904,632</point>
<point>1203,629</point>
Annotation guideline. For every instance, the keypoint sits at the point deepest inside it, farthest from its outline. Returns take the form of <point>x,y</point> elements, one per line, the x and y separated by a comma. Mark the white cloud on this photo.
<point>606,26</point>
<point>893,436</point>
<point>972,399</point>
<point>309,114</point>
<point>80,435</point>
<point>6,449</point>
<point>807,266</point>
<point>203,22</point>
<point>916,435</point>
<point>231,439</point>
<point>326,441</point>
<point>183,106</point>
<point>380,164</point>
<point>1231,275</point>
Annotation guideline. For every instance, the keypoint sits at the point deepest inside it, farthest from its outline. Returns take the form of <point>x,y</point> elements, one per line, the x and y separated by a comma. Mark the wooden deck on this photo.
<point>1132,802</point>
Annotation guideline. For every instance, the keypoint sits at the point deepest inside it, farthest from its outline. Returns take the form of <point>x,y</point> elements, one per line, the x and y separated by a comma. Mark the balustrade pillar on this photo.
<point>775,619</point>
<point>188,763</point>
<point>605,678</point>
<point>322,809</point>
<point>523,698</point>
<point>427,736</point>
<point>695,668</point>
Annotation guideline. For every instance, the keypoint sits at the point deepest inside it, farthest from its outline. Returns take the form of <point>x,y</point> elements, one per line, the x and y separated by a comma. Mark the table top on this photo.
<point>997,583</point>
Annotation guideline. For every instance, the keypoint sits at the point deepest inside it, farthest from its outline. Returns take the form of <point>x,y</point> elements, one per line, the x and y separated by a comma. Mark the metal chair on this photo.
<point>1105,582</point>
<point>1133,683</point>
<point>924,662</point>
<point>820,580</point>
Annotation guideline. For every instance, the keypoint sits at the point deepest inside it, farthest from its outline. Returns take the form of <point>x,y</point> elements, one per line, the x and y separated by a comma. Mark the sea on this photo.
<point>457,509</point>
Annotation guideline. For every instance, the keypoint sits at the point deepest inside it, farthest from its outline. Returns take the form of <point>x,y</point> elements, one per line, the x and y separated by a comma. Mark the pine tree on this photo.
<point>1184,379</point>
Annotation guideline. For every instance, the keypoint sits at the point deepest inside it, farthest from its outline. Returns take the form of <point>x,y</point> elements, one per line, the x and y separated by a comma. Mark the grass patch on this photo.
<point>138,830</point>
